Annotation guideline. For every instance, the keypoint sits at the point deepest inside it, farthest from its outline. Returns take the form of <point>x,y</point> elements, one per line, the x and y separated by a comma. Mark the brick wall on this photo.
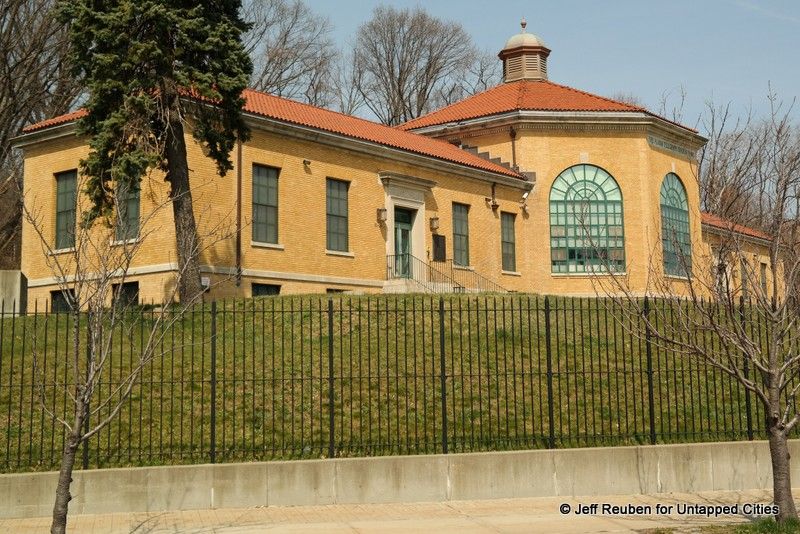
<point>301,264</point>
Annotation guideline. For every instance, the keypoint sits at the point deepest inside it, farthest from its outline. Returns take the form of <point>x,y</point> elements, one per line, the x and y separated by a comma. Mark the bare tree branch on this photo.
<point>736,310</point>
<point>293,53</point>
<point>35,83</point>
<point>409,61</point>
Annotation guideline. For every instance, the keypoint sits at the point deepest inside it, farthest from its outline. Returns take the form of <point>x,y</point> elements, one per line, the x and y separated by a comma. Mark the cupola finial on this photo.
<point>524,24</point>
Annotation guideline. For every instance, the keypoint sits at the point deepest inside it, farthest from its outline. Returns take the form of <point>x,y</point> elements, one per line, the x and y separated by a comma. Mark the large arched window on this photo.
<point>675,237</point>
<point>586,229</point>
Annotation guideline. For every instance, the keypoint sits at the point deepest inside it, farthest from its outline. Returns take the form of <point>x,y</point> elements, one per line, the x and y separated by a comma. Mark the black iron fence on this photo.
<point>282,378</point>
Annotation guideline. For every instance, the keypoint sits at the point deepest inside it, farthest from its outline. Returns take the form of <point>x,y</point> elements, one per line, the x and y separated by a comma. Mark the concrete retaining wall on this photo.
<point>13,292</point>
<point>540,473</point>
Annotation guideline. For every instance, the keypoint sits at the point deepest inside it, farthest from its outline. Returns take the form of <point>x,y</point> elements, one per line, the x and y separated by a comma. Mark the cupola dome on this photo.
<point>524,57</point>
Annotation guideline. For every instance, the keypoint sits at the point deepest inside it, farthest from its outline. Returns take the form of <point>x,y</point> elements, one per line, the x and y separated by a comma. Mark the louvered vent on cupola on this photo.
<point>524,57</point>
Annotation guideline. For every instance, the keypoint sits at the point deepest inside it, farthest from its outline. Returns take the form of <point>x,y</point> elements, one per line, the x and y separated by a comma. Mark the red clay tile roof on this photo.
<point>55,121</point>
<point>724,224</point>
<point>289,111</point>
<point>541,95</point>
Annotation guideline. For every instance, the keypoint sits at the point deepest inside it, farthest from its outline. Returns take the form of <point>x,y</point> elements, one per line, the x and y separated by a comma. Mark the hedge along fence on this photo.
<point>311,377</point>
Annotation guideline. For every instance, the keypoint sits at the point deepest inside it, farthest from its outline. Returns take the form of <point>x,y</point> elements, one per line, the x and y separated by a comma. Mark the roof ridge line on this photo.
<point>641,109</point>
<point>473,95</point>
<point>318,108</point>
<point>633,108</point>
<point>521,94</point>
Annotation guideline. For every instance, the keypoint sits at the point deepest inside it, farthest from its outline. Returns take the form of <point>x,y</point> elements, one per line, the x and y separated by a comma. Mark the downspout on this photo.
<point>238,212</point>
<point>513,133</point>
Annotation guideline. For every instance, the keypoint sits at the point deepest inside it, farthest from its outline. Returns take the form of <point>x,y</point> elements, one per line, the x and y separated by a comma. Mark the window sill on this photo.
<point>57,251</point>
<point>463,267</point>
<point>273,246</point>
<point>678,277</point>
<point>511,273</point>
<point>340,253</point>
<point>587,275</point>
<point>118,242</point>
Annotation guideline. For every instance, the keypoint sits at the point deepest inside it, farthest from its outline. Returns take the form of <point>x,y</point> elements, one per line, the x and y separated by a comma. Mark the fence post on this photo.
<point>85,451</point>
<point>747,399</point>
<point>551,437</point>
<point>649,351</point>
<point>331,408</point>
<point>213,382</point>
<point>443,379</point>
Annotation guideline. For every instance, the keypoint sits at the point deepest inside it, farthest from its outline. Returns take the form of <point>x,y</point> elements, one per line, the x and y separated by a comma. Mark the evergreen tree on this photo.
<point>151,68</point>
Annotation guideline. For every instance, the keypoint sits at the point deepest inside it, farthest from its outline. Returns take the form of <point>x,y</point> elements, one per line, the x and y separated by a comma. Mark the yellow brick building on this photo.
<point>530,186</point>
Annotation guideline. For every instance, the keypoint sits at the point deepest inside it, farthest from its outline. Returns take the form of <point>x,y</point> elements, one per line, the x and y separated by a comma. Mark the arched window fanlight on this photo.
<point>675,236</point>
<point>586,224</point>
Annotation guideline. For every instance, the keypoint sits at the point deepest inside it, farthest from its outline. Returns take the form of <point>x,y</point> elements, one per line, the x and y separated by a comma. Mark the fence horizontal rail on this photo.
<point>284,378</point>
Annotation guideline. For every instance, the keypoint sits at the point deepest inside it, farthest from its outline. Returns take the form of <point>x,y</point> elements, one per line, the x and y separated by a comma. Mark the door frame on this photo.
<point>398,226</point>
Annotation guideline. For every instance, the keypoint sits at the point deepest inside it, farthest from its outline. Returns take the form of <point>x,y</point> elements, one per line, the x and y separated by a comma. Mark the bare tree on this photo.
<point>749,308</point>
<point>406,58</point>
<point>727,163</point>
<point>348,80</point>
<point>293,53</point>
<point>628,98</point>
<point>91,278</point>
<point>483,72</point>
<point>35,83</point>
<point>672,104</point>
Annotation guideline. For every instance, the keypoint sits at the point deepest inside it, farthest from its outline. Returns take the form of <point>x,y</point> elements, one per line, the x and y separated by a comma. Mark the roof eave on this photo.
<point>69,128</point>
<point>611,118</point>
<point>714,229</point>
<point>369,147</point>
<point>44,134</point>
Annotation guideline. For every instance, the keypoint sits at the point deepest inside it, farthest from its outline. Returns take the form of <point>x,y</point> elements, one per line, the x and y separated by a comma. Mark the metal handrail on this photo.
<point>409,267</point>
<point>470,279</point>
<point>438,277</point>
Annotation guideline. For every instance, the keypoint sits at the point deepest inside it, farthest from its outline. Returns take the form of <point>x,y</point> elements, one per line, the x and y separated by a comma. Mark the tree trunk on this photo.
<point>189,286</point>
<point>63,496</point>
<point>781,476</point>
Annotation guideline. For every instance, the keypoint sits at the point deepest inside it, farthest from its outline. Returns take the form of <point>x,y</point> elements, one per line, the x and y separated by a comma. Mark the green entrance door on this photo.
<point>402,241</point>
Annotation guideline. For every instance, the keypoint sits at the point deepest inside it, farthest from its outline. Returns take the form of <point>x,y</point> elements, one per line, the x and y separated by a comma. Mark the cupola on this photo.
<point>524,57</point>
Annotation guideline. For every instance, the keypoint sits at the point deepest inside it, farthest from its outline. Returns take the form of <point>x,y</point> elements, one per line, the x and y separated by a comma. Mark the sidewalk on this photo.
<point>458,517</point>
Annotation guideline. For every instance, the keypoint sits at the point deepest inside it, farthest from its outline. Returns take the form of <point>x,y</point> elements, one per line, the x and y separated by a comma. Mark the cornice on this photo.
<point>389,177</point>
<point>722,232</point>
<point>319,136</point>
<point>566,121</point>
<point>47,134</point>
<point>375,149</point>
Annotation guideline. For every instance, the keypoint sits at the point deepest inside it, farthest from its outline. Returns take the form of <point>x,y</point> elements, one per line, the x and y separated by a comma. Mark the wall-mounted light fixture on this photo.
<point>381,215</point>
<point>307,162</point>
<point>434,224</point>
<point>492,201</point>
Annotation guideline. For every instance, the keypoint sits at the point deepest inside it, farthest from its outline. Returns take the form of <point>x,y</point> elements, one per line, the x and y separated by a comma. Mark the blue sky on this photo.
<point>728,50</point>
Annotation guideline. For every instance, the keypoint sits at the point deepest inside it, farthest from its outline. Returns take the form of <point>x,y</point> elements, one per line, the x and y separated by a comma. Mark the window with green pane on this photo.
<point>508,241</point>
<point>675,237</point>
<point>336,209</point>
<point>62,300</point>
<point>265,204</point>
<point>128,217</point>
<point>66,198</point>
<point>586,224</point>
<point>460,234</point>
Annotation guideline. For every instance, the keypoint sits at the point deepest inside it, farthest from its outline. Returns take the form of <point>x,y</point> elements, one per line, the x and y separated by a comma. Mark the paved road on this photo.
<point>459,517</point>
